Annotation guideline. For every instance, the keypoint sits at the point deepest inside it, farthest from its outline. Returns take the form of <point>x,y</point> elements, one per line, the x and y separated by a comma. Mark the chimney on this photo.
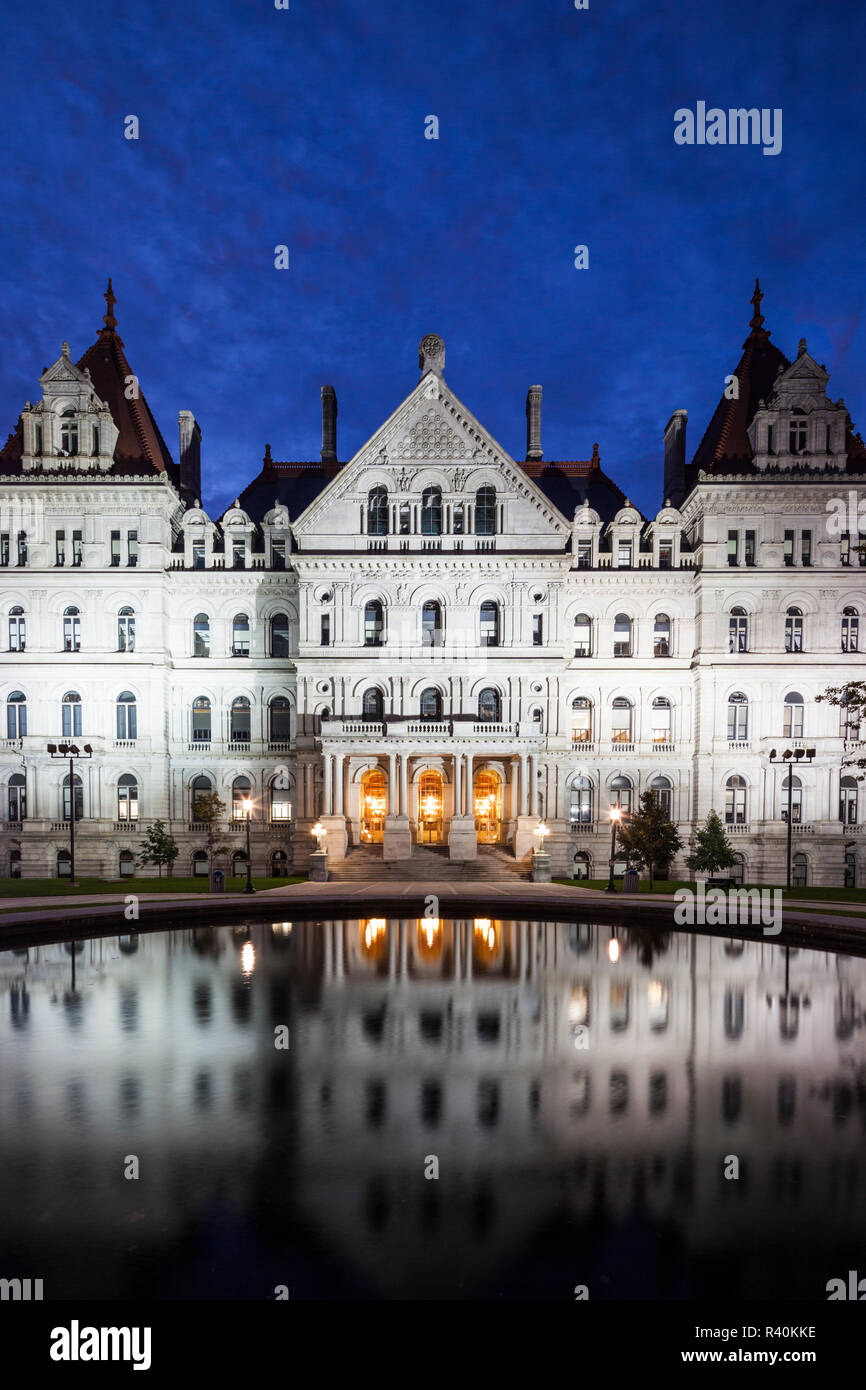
<point>533,425</point>
<point>190,456</point>
<point>675,457</point>
<point>329,425</point>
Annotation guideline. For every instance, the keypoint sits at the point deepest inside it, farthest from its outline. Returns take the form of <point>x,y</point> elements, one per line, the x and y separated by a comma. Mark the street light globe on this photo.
<point>541,830</point>
<point>247,804</point>
<point>615,813</point>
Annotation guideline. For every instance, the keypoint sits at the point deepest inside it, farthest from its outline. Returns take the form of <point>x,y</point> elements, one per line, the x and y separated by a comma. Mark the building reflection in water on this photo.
<point>580,1088</point>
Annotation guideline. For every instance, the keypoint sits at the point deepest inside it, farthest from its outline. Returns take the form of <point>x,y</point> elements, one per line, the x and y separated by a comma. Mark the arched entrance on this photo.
<point>488,807</point>
<point>431,816</point>
<point>374,806</point>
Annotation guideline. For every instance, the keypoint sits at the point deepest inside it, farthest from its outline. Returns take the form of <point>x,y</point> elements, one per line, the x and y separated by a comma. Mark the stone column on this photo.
<point>404,783</point>
<point>458,785</point>
<point>393,789</point>
<point>338,784</point>
<point>522,801</point>
<point>328,788</point>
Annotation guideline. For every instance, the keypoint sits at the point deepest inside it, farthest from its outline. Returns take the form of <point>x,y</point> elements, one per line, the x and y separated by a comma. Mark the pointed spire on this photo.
<point>111,299</point>
<point>756,324</point>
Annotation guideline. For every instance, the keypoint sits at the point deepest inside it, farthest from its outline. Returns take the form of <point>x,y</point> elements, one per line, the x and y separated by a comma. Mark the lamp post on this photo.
<point>248,808</point>
<point>791,756</point>
<point>615,818</point>
<point>70,751</point>
<point>319,857</point>
<point>540,859</point>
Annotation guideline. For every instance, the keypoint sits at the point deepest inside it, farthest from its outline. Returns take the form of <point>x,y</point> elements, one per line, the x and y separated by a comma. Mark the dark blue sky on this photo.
<point>306,127</point>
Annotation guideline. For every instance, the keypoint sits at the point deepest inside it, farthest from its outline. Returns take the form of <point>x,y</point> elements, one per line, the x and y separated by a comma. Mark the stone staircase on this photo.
<point>429,864</point>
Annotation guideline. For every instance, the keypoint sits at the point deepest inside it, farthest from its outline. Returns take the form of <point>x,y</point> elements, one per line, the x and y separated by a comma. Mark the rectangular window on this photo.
<point>115,548</point>
<point>457,519</point>
<point>584,555</point>
<point>623,555</point>
<point>132,548</point>
<point>845,548</point>
<point>278,555</point>
<point>326,630</point>
<point>806,548</point>
<point>405,522</point>
<point>666,555</point>
<point>749,549</point>
<point>22,547</point>
<point>60,547</point>
<point>239,555</point>
<point>537,629</point>
<point>4,548</point>
<point>198,555</point>
<point>789,547</point>
<point>733,547</point>
<point>77,548</point>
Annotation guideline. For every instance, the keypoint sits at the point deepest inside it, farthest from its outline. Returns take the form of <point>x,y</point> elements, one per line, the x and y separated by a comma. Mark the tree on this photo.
<point>852,698</point>
<point>712,848</point>
<point>208,807</point>
<point>649,838</point>
<point>160,847</point>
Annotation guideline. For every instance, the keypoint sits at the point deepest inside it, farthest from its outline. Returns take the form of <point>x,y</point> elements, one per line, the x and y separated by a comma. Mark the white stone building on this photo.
<point>433,642</point>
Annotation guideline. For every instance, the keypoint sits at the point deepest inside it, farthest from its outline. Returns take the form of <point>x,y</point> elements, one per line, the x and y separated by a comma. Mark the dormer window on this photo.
<point>797,433</point>
<point>623,555</point>
<point>584,555</point>
<point>68,432</point>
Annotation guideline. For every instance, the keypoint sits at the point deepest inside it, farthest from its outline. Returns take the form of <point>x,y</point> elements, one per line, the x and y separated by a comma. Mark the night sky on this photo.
<point>305,127</point>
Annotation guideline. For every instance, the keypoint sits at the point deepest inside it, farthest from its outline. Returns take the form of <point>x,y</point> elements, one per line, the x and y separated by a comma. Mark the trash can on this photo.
<point>218,881</point>
<point>631,881</point>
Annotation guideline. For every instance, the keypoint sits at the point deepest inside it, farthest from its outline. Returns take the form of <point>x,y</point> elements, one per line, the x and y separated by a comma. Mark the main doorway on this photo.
<point>431,816</point>
<point>488,807</point>
<point>374,806</point>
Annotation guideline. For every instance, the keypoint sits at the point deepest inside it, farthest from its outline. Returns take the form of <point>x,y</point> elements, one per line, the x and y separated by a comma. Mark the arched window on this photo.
<point>71,630</point>
<point>70,710</point>
<point>17,629</point>
<point>662,635</point>
<point>279,864</point>
<point>850,631</point>
<point>583,635</point>
<point>280,635</point>
<point>489,623</point>
<point>621,793</point>
<point>126,864</point>
<point>793,722</point>
<point>242,790</point>
<point>201,635</point>
<point>281,799</point>
<point>581,801</point>
<point>431,624</point>
<point>662,793</point>
<point>68,432</point>
<point>622,635</point>
<point>738,717</point>
<point>239,863</point>
<point>485,511</point>
<point>849,721</point>
<point>621,722</point>
<point>793,630</point>
<point>202,787</point>
<point>661,720</point>
<point>64,864</point>
<point>16,716</point>
<point>240,635</point>
<point>126,630</point>
<point>17,797</point>
<point>76,790</point>
<point>127,797</point>
<point>847,801</point>
<point>799,871</point>
<point>581,868</point>
<point>201,719</point>
<point>431,703</point>
<point>374,623</point>
<point>431,511</point>
<point>199,864</point>
<point>735,801</point>
<point>280,719</point>
<point>581,720</point>
<point>738,630</point>
<point>490,705</point>
<point>373,706</point>
<point>239,725</point>
<point>126,716</point>
<point>796,795</point>
<point>377,511</point>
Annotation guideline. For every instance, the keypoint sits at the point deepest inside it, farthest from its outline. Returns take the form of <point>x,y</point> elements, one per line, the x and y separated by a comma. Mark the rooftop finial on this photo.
<point>111,299</point>
<point>757,321</point>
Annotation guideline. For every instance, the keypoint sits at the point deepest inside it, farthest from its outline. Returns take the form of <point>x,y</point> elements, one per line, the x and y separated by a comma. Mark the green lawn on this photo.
<point>840,895</point>
<point>58,888</point>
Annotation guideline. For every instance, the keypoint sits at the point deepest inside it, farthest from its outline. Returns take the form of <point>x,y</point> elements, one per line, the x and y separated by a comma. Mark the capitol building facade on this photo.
<point>432,643</point>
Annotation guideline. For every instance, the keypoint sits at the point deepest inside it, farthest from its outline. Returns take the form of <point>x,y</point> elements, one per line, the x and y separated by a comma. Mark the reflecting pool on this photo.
<point>643,1114</point>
